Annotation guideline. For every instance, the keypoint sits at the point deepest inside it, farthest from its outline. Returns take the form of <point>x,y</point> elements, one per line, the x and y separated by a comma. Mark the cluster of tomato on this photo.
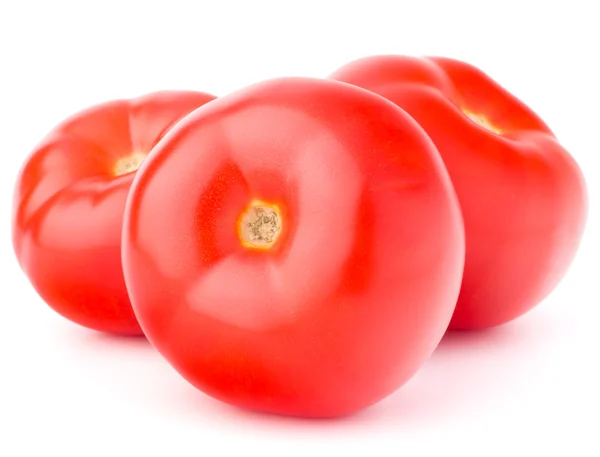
<point>300,246</point>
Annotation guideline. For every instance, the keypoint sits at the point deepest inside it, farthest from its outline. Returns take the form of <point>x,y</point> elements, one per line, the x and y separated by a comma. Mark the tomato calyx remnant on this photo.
<point>260,225</point>
<point>483,121</point>
<point>129,163</point>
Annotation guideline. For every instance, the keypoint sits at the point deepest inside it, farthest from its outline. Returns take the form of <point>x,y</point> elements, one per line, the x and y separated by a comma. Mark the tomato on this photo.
<point>523,197</point>
<point>295,247</point>
<point>69,202</point>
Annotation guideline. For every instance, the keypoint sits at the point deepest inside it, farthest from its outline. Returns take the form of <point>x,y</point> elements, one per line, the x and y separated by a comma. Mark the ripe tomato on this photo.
<point>69,202</point>
<point>295,247</point>
<point>522,195</point>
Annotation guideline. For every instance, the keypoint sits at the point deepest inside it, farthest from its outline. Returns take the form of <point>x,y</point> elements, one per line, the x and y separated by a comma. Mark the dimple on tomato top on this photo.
<point>522,196</point>
<point>69,202</point>
<point>295,247</point>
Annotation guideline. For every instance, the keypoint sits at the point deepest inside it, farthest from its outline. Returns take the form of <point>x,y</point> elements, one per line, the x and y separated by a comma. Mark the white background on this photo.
<point>527,388</point>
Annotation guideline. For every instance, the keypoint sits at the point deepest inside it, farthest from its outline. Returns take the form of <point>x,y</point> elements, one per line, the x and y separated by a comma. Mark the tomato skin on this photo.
<point>522,196</point>
<point>68,206</point>
<point>360,285</point>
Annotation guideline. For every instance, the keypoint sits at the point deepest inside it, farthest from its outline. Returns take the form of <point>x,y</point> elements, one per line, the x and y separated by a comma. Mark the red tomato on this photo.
<point>295,247</point>
<point>69,202</point>
<point>522,195</point>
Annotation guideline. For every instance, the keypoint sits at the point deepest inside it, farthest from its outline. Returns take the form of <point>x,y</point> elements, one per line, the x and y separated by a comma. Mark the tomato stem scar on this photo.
<point>260,225</point>
<point>483,121</point>
<point>129,163</point>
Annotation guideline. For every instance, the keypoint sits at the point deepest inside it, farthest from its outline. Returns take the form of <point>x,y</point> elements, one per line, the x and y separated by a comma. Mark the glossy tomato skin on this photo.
<point>69,203</point>
<point>360,285</point>
<point>522,196</point>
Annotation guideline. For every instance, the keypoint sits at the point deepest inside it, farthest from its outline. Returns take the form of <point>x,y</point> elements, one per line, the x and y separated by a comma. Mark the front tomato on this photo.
<point>69,202</point>
<point>295,247</point>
